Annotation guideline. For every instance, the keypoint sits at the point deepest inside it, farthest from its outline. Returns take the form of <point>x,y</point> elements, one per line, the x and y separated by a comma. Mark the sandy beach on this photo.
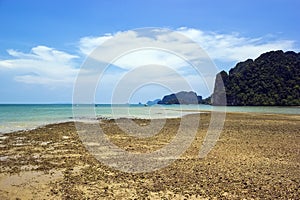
<point>256,157</point>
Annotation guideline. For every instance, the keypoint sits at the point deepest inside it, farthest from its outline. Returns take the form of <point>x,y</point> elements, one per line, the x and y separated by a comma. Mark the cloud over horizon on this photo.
<point>229,47</point>
<point>43,65</point>
<point>233,47</point>
<point>49,66</point>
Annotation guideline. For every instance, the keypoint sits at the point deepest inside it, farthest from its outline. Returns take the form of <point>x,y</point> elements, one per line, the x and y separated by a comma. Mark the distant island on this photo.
<point>273,79</point>
<point>150,103</point>
<point>182,97</point>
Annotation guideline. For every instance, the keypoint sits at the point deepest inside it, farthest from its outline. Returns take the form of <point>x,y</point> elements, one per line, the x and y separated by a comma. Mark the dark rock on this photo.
<point>181,98</point>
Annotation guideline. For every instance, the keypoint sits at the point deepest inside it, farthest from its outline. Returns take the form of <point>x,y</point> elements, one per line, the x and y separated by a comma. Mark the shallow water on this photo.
<point>20,117</point>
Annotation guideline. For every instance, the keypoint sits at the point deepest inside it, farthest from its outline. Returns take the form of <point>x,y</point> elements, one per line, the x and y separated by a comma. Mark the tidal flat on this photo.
<point>256,157</point>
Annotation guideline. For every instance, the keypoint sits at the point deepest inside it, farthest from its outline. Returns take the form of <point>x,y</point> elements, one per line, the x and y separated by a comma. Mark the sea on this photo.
<point>14,117</point>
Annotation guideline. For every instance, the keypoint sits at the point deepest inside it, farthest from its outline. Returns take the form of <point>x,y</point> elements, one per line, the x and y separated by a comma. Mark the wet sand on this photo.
<point>256,157</point>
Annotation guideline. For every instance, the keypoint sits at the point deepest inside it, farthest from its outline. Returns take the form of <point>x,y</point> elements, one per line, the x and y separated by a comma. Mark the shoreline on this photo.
<point>256,156</point>
<point>28,117</point>
<point>185,113</point>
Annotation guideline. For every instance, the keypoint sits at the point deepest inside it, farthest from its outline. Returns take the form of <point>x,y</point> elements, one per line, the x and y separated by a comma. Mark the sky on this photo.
<point>44,44</point>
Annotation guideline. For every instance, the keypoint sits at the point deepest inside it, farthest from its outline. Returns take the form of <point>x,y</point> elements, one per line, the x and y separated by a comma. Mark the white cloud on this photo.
<point>88,44</point>
<point>143,57</point>
<point>233,47</point>
<point>43,65</point>
<point>131,49</point>
<point>124,48</point>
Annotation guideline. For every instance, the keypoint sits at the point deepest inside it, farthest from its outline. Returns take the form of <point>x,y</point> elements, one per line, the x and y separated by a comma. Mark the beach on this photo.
<point>256,157</point>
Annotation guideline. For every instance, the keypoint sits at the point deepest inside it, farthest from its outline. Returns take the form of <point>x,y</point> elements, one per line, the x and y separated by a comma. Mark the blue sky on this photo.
<point>43,43</point>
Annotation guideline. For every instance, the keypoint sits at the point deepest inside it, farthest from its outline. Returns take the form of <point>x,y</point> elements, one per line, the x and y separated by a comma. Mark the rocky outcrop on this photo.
<point>181,98</point>
<point>271,79</point>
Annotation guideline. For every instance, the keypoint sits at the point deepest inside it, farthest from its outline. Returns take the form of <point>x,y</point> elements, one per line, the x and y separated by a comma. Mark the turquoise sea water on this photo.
<point>20,117</point>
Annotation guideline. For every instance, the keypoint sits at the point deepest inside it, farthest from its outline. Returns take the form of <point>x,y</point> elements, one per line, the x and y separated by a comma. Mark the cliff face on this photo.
<point>181,98</point>
<point>271,79</point>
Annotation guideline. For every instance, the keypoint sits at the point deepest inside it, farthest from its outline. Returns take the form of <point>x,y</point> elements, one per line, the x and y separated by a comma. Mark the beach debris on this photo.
<point>3,137</point>
<point>65,137</point>
<point>4,158</point>
<point>45,143</point>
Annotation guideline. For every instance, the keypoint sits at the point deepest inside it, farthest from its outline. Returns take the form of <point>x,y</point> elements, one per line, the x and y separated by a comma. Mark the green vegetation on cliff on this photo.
<point>271,79</point>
